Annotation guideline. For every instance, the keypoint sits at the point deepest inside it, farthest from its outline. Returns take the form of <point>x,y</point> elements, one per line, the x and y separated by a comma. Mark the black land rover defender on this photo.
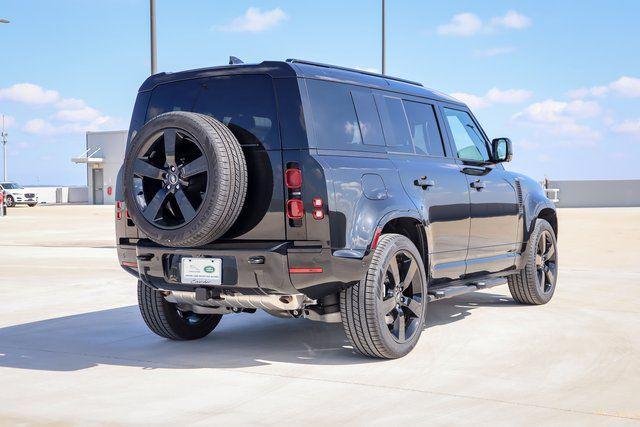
<point>309,190</point>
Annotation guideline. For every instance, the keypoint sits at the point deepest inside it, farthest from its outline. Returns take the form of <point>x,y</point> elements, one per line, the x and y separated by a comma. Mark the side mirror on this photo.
<point>502,151</point>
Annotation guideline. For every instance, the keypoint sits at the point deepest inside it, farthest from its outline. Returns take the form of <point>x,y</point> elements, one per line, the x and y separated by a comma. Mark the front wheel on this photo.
<point>383,315</point>
<point>31,204</point>
<point>536,282</point>
<point>167,320</point>
<point>10,202</point>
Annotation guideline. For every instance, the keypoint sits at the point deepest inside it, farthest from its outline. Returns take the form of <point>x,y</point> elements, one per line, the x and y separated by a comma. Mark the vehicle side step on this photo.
<point>455,290</point>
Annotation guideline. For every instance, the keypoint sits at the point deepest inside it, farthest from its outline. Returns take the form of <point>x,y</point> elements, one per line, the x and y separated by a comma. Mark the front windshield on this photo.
<point>11,186</point>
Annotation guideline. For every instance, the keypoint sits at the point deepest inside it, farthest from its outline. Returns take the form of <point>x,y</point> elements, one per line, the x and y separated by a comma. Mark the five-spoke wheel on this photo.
<point>170,175</point>
<point>383,315</point>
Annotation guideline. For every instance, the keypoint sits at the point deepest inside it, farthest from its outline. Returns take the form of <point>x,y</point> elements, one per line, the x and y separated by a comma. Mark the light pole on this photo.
<point>4,134</point>
<point>152,17</point>
<point>384,65</point>
<point>4,150</point>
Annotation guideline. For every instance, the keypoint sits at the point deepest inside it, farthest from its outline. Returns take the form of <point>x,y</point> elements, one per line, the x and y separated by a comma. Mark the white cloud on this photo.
<point>495,51</point>
<point>509,96</point>
<point>493,96</point>
<point>29,93</point>
<point>631,127</point>
<point>626,87</point>
<point>70,103</point>
<point>45,127</point>
<point>473,101</point>
<point>561,118</point>
<point>255,20</point>
<point>468,24</point>
<point>511,19</point>
<point>462,24</point>
<point>85,114</point>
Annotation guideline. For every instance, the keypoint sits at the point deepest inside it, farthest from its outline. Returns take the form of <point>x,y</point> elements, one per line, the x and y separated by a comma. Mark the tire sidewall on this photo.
<point>398,243</point>
<point>541,225</point>
<point>213,198</point>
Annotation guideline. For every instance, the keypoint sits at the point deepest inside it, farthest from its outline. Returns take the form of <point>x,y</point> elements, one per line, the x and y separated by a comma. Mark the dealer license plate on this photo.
<point>201,271</point>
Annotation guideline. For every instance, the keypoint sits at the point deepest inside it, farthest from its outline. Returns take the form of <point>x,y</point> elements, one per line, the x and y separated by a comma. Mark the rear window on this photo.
<point>246,104</point>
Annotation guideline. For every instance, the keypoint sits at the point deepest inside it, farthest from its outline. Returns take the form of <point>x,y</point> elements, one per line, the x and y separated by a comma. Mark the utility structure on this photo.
<point>384,65</point>
<point>152,19</point>
<point>4,136</point>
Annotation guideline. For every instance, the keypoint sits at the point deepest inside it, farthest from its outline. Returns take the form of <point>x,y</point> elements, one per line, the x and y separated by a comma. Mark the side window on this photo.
<point>334,115</point>
<point>395,125</point>
<point>175,96</point>
<point>424,128</point>
<point>370,127</point>
<point>469,143</point>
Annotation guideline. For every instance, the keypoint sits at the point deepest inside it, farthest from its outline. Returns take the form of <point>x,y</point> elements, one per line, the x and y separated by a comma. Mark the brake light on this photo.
<point>293,178</point>
<point>302,270</point>
<point>295,209</point>
<point>376,238</point>
<point>118,209</point>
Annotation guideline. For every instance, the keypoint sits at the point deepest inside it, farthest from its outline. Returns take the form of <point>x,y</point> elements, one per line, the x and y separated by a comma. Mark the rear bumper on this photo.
<point>248,267</point>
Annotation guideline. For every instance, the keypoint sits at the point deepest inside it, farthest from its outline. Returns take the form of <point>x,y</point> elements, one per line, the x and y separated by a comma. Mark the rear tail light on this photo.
<point>293,178</point>
<point>295,209</point>
<point>118,209</point>
<point>318,211</point>
<point>303,270</point>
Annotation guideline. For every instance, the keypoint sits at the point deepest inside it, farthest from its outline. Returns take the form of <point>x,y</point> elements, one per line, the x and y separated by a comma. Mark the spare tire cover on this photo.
<point>185,179</point>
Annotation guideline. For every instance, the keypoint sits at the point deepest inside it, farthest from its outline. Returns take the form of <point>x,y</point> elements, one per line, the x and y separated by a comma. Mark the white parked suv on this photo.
<point>15,194</point>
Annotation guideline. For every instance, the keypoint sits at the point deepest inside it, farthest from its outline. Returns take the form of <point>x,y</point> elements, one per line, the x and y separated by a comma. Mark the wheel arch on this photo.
<point>409,225</point>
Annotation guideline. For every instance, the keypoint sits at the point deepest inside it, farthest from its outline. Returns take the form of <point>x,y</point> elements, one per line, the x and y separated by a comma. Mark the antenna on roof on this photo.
<point>233,60</point>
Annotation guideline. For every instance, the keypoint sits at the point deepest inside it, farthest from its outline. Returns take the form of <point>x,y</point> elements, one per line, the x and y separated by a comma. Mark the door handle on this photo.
<point>477,184</point>
<point>424,182</point>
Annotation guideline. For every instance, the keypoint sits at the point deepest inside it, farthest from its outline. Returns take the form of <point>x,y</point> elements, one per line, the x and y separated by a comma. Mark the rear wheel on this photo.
<point>384,313</point>
<point>167,320</point>
<point>536,282</point>
<point>10,202</point>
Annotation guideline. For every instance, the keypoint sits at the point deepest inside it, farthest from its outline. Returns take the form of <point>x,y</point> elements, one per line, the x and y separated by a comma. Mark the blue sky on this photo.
<point>561,78</point>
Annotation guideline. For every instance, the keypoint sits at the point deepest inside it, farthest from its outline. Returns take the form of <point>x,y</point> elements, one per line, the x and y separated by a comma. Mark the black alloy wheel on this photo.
<point>402,299</point>
<point>546,265</point>
<point>383,314</point>
<point>170,178</point>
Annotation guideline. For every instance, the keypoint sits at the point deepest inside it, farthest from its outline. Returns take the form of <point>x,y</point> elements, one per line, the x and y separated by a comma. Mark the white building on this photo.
<point>103,156</point>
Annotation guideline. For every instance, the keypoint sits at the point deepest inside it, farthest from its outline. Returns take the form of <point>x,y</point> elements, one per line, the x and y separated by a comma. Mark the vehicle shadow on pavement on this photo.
<point>119,337</point>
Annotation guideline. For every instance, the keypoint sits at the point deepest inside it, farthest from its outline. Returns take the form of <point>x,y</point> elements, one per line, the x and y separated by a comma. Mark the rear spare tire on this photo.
<point>185,179</point>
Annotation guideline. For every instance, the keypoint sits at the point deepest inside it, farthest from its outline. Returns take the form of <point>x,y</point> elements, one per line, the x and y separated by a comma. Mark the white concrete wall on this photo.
<point>50,195</point>
<point>597,193</point>
<point>112,145</point>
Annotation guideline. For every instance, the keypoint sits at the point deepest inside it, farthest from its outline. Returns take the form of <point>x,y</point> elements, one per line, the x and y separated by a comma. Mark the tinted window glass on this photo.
<point>468,140</point>
<point>246,104</point>
<point>396,128</point>
<point>177,96</point>
<point>336,124</point>
<point>370,128</point>
<point>424,128</point>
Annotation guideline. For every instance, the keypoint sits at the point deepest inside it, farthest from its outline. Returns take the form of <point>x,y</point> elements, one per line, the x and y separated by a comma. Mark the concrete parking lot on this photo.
<point>74,350</point>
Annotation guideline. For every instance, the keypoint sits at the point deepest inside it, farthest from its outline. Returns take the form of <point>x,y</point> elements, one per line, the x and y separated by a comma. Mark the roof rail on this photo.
<point>319,64</point>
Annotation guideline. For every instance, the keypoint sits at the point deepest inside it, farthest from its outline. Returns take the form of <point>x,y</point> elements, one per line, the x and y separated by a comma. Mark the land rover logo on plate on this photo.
<point>201,271</point>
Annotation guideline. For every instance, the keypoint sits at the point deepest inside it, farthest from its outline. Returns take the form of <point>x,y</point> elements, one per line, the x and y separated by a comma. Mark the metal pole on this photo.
<point>152,16</point>
<point>384,65</point>
<point>4,150</point>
